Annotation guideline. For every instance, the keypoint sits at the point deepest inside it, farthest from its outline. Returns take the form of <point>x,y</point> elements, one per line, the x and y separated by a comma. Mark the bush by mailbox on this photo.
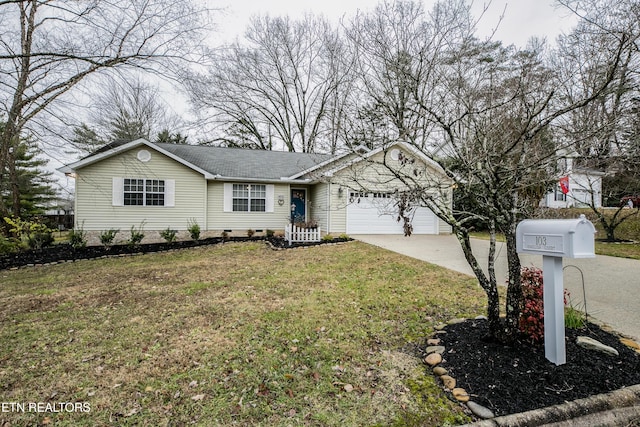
<point>571,238</point>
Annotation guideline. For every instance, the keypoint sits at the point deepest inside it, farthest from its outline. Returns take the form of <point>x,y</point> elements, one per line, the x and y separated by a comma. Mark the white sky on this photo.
<point>522,18</point>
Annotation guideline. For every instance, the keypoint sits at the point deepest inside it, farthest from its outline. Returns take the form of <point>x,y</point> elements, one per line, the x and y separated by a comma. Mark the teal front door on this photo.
<point>298,205</point>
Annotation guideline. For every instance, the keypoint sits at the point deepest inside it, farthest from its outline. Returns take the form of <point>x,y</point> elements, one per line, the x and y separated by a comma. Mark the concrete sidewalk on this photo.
<point>612,285</point>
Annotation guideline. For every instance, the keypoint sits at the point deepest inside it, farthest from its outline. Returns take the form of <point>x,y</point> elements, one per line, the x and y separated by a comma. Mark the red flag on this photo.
<point>564,184</point>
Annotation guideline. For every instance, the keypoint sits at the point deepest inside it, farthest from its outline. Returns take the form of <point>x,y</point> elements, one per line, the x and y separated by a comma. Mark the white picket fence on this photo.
<point>293,233</point>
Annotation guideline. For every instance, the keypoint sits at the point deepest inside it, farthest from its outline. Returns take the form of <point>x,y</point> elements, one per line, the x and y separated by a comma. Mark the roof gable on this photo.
<point>338,163</point>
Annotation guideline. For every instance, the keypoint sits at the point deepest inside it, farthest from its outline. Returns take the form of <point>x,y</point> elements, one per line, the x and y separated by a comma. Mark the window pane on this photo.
<point>258,191</point>
<point>240,191</point>
<point>133,199</point>
<point>155,199</point>
<point>240,205</point>
<point>155,186</point>
<point>133,185</point>
<point>258,205</point>
<point>133,192</point>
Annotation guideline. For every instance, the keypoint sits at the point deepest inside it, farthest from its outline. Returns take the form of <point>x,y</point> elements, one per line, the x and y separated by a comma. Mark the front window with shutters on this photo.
<point>144,192</point>
<point>249,197</point>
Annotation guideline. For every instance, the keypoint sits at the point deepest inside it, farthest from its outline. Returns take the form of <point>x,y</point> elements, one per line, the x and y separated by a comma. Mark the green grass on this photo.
<point>235,334</point>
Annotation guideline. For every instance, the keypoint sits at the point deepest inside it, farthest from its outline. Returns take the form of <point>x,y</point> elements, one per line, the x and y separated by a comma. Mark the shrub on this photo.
<point>32,233</point>
<point>270,233</point>
<point>194,229</point>
<point>224,235</point>
<point>40,239</point>
<point>327,238</point>
<point>344,236</point>
<point>532,314</point>
<point>107,237</point>
<point>7,245</point>
<point>250,233</point>
<point>168,234</point>
<point>78,238</point>
<point>137,235</point>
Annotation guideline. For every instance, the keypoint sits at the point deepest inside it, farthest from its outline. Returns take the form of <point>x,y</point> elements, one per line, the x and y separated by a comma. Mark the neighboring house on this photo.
<point>59,213</point>
<point>233,190</point>
<point>576,186</point>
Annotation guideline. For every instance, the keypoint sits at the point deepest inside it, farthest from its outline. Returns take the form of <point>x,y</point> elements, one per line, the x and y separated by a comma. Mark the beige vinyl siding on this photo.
<point>338,211</point>
<point>220,220</point>
<point>319,205</point>
<point>94,208</point>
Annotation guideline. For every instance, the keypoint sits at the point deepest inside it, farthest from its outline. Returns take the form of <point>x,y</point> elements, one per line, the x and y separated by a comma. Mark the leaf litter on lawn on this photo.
<point>228,318</point>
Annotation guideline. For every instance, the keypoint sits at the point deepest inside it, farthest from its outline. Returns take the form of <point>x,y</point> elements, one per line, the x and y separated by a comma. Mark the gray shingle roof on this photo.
<point>242,163</point>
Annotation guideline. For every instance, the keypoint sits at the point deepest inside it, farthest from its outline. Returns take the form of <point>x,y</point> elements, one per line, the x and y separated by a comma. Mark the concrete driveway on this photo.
<point>612,285</point>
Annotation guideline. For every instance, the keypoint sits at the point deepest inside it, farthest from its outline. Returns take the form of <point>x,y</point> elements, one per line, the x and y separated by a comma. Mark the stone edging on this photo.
<point>614,408</point>
<point>618,405</point>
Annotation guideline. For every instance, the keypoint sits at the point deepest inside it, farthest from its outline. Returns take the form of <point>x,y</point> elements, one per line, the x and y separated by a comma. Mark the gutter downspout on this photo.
<point>329,208</point>
<point>206,205</point>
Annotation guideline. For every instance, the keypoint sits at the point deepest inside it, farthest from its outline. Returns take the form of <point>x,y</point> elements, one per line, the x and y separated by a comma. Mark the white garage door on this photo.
<point>374,213</point>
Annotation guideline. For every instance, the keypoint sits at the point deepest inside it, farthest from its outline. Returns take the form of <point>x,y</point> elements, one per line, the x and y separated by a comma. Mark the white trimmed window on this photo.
<point>143,192</point>
<point>249,198</point>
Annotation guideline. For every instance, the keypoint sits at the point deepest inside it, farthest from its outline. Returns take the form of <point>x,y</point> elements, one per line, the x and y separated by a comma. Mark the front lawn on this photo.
<point>234,334</point>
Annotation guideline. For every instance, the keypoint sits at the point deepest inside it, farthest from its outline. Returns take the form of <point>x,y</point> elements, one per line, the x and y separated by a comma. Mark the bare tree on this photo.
<point>47,47</point>
<point>487,114</point>
<point>604,134</point>
<point>125,108</point>
<point>281,86</point>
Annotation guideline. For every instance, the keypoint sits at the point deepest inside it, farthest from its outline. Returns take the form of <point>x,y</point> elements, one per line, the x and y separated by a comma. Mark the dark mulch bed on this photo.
<point>515,379</point>
<point>65,252</point>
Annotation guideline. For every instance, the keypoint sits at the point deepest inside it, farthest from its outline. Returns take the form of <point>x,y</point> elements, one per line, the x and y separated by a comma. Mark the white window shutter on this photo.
<point>270,196</point>
<point>117,192</point>
<point>228,197</point>
<point>170,192</point>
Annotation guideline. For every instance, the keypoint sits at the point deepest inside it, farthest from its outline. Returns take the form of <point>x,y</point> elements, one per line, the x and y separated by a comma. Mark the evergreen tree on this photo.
<point>29,187</point>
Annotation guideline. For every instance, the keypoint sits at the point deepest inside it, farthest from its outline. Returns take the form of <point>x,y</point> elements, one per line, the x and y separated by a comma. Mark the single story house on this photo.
<point>164,185</point>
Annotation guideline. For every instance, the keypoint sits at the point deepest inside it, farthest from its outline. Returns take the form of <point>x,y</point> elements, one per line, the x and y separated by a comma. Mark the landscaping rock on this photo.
<point>460,394</point>
<point>435,349</point>
<point>591,344</point>
<point>433,341</point>
<point>439,371</point>
<point>480,411</point>
<point>449,382</point>
<point>456,321</point>
<point>433,359</point>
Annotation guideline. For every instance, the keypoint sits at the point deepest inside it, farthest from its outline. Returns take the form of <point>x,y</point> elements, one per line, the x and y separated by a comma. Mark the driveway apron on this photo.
<point>611,284</point>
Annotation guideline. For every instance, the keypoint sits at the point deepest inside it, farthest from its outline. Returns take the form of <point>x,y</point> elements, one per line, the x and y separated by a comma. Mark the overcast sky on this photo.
<point>522,18</point>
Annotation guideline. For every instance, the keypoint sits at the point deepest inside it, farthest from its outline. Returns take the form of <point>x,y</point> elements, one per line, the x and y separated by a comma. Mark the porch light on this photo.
<point>280,200</point>
<point>340,191</point>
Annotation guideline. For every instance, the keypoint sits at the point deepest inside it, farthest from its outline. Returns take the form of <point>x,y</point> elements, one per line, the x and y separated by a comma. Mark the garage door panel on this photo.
<point>369,215</point>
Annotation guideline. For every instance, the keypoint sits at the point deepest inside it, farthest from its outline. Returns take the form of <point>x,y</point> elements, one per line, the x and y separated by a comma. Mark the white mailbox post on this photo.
<point>555,239</point>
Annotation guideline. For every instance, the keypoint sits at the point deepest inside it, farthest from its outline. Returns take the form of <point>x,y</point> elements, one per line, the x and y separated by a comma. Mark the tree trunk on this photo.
<point>488,285</point>
<point>514,288</point>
